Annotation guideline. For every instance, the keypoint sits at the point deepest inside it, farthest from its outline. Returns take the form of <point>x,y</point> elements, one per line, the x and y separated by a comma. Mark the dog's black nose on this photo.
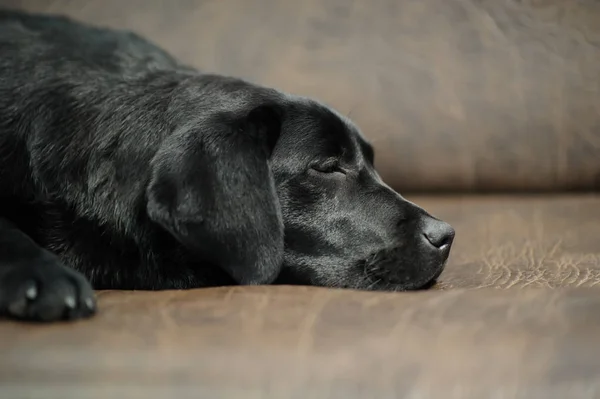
<point>439,234</point>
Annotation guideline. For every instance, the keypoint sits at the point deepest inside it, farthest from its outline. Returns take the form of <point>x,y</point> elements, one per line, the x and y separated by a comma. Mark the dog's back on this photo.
<point>50,63</point>
<point>35,38</point>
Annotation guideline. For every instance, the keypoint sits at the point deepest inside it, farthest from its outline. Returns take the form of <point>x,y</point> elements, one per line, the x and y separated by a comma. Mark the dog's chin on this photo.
<point>433,281</point>
<point>416,285</point>
<point>387,273</point>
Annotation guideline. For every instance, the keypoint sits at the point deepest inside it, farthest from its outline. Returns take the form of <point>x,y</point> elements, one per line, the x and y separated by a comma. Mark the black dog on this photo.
<point>138,172</point>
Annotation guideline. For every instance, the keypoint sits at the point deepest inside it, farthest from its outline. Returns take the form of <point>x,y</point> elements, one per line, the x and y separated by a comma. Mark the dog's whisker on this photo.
<point>373,284</point>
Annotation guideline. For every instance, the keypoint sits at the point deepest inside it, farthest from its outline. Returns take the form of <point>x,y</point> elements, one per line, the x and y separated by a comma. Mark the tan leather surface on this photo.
<point>521,242</point>
<point>455,94</point>
<point>295,342</point>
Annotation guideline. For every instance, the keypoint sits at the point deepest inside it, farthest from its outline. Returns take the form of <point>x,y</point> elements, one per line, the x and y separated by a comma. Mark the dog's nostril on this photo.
<point>438,233</point>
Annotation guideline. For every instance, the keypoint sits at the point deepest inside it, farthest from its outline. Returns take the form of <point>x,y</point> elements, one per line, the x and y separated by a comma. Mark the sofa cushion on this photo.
<point>524,241</point>
<point>295,342</point>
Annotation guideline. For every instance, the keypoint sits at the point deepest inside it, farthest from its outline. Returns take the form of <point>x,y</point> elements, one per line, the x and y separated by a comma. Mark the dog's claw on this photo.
<point>89,302</point>
<point>31,292</point>
<point>70,302</point>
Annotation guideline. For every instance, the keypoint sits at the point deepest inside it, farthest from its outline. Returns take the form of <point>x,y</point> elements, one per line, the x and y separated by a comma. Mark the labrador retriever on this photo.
<point>121,168</point>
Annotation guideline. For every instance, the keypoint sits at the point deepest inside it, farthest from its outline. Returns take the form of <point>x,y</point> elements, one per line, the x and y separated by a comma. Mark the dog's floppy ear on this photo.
<point>213,189</point>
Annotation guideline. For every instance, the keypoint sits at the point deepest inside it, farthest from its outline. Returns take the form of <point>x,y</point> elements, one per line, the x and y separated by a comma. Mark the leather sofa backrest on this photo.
<point>456,95</point>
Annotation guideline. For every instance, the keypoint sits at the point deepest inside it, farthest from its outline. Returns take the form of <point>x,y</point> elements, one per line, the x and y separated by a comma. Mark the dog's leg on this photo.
<point>35,285</point>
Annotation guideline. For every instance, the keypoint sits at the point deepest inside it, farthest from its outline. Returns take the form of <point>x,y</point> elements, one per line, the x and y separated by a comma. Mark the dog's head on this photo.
<point>344,227</point>
<point>283,189</point>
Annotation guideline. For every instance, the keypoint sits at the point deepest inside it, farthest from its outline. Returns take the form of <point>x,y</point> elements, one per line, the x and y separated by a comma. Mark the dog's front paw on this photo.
<point>43,289</point>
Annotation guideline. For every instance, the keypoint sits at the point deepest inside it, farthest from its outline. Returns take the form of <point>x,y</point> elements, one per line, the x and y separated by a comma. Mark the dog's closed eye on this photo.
<point>331,167</point>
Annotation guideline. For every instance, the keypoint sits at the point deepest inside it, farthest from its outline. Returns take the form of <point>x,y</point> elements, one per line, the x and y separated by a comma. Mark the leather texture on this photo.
<point>295,342</point>
<point>456,95</point>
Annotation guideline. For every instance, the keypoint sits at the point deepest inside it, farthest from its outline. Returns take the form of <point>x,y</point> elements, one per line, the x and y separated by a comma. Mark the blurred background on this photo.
<point>456,95</point>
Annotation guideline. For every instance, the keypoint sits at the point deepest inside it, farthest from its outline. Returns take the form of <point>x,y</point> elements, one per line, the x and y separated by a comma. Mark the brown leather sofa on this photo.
<point>485,112</point>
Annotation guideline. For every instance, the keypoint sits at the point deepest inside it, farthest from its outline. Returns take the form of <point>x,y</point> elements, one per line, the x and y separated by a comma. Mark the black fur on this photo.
<point>119,164</point>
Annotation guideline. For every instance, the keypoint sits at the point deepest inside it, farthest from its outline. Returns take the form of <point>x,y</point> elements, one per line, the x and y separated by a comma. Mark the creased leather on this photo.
<point>520,242</point>
<point>296,342</point>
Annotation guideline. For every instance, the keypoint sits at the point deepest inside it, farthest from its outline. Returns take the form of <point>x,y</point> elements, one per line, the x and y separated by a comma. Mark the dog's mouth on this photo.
<point>395,284</point>
<point>393,270</point>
